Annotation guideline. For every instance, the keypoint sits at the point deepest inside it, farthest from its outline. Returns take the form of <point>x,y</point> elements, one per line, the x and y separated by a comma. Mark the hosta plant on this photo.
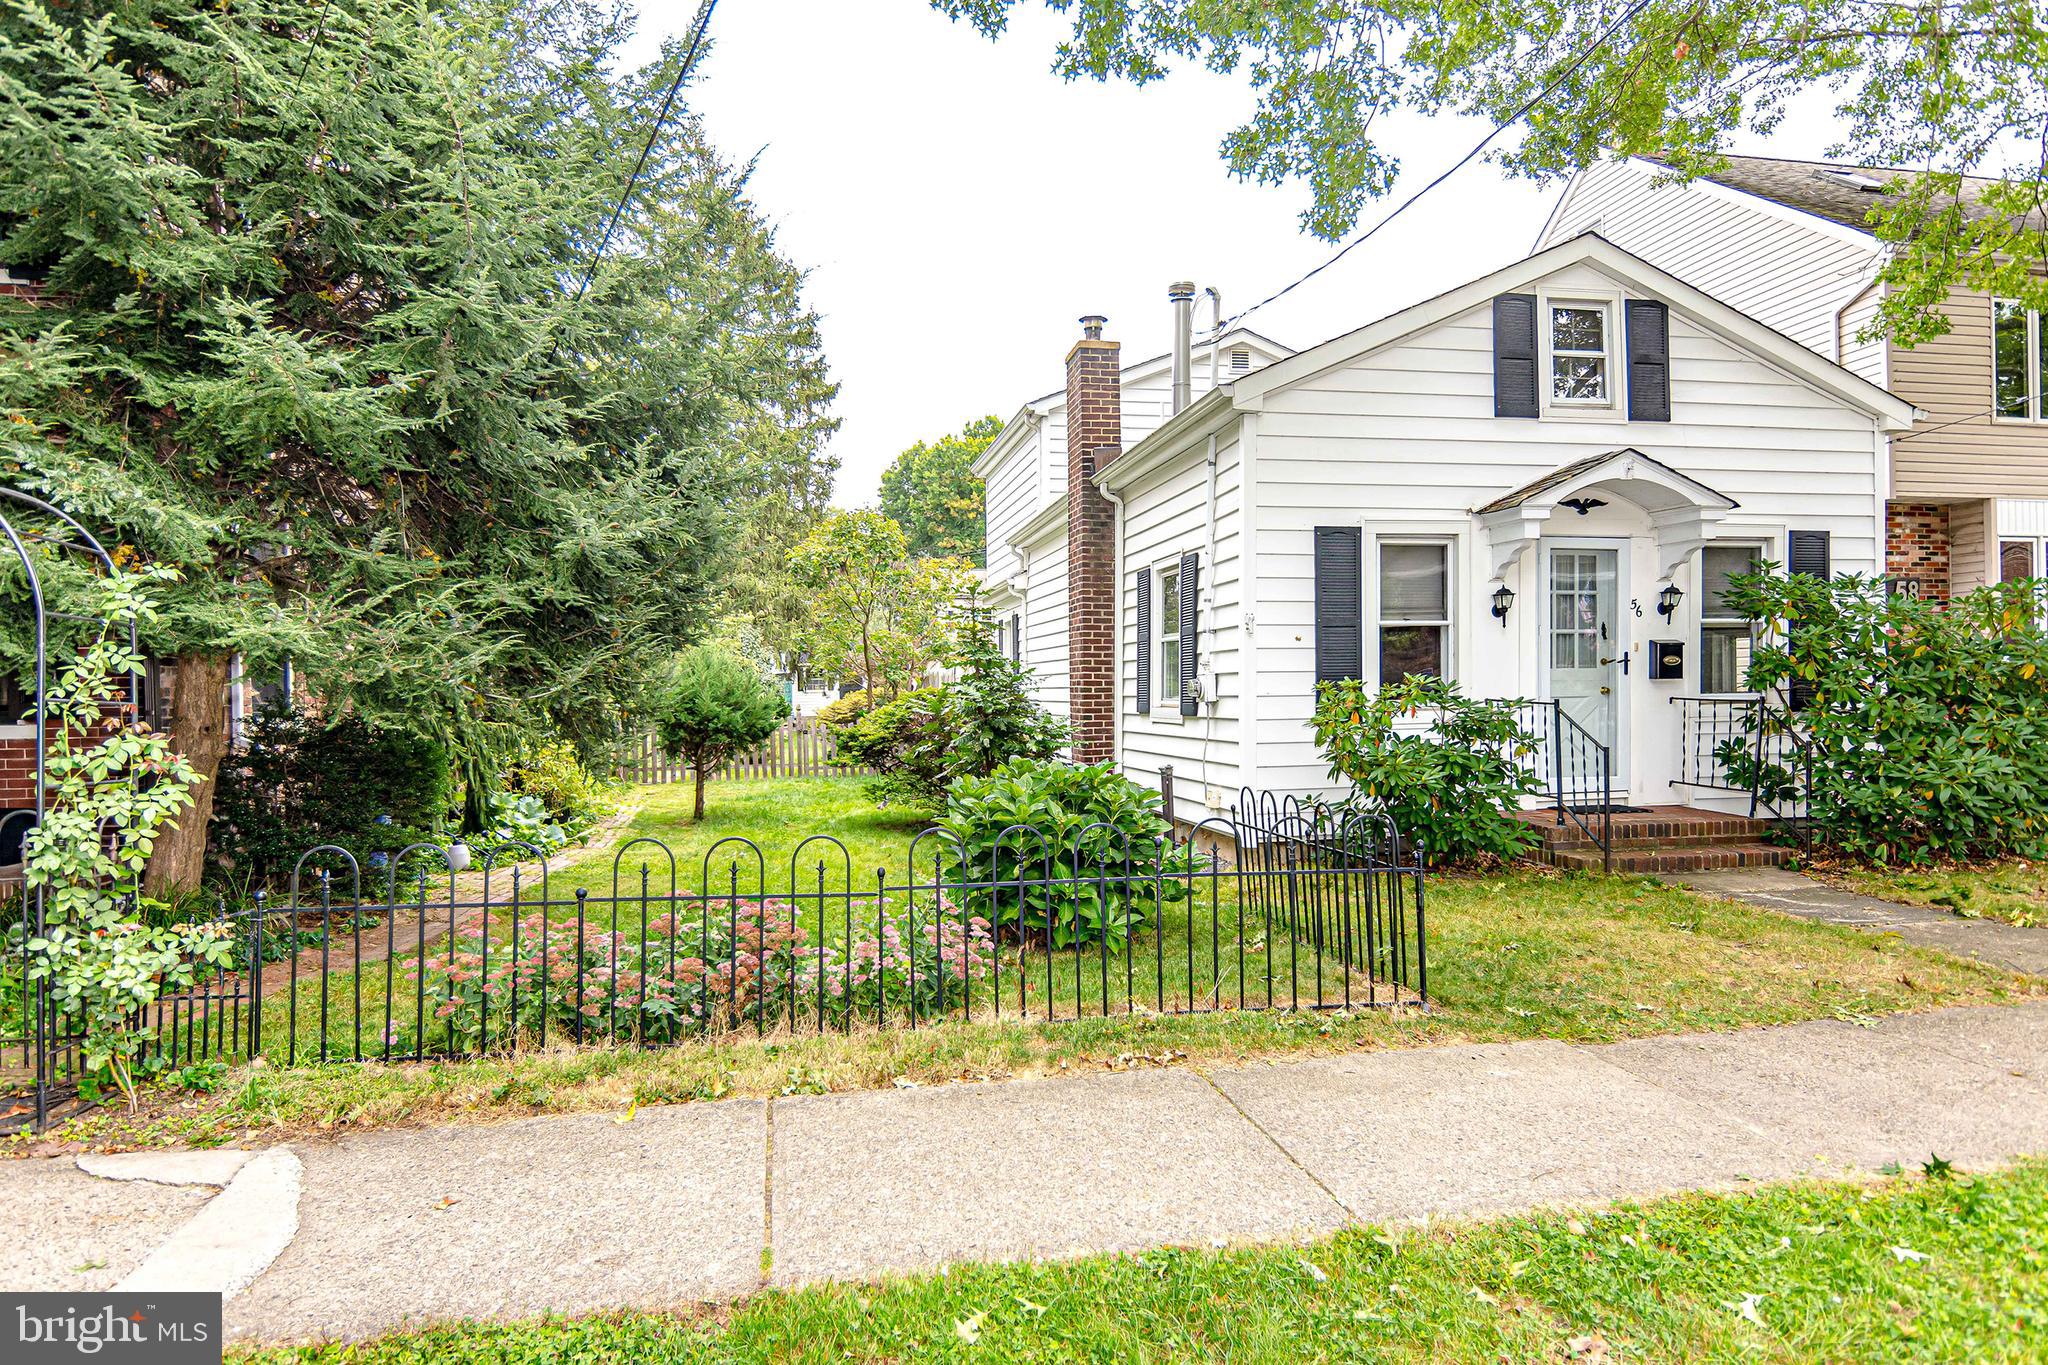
<point>1073,856</point>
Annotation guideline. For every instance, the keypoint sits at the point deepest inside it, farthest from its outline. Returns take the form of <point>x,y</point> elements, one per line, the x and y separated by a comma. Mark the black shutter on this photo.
<point>1649,361</point>
<point>1016,637</point>
<point>1143,583</point>
<point>1340,603</point>
<point>1807,552</point>
<point>1514,356</point>
<point>1189,572</point>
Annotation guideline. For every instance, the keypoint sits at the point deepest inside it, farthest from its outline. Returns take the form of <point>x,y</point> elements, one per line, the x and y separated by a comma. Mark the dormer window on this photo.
<point>1580,365</point>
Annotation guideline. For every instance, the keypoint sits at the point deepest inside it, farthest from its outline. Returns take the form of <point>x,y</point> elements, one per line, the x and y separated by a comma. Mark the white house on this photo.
<point>1790,244</point>
<point>1581,429</point>
<point>1024,475</point>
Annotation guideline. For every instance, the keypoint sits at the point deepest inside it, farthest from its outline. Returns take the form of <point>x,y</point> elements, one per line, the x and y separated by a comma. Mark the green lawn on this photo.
<point>2013,891</point>
<point>1915,1269</point>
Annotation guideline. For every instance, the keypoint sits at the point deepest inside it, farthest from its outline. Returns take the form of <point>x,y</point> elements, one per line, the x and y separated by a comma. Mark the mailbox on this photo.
<point>1667,660</point>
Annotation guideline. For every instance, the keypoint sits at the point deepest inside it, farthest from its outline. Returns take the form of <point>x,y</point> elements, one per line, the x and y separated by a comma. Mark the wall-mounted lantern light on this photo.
<point>1667,600</point>
<point>1503,598</point>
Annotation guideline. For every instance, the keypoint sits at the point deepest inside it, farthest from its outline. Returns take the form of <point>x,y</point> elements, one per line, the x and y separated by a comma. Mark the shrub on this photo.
<point>1441,764</point>
<point>303,782</point>
<point>969,728</point>
<point>1077,820</point>
<point>846,710</point>
<point>716,706</point>
<point>570,793</point>
<point>905,742</point>
<point>112,787</point>
<point>1921,727</point>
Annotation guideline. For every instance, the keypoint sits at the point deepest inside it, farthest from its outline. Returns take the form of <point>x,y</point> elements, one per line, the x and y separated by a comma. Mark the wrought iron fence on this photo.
<point>1280,906</point>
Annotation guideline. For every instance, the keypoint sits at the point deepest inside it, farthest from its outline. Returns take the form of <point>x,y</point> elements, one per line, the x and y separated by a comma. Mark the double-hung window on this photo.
<point>2019,559</point>
<point>1581,360</point>
<point>1415,609</point>
<point>1166,677</point>
<point>2019,362</point>
<point>1726,636</point>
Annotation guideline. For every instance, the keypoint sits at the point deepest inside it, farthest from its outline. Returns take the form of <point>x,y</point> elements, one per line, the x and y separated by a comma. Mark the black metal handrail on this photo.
<point>1712,730</point>
<point>1572,767</point>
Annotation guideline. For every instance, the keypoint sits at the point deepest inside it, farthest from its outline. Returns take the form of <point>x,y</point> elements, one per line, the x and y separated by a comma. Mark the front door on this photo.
<point>1585,646</point>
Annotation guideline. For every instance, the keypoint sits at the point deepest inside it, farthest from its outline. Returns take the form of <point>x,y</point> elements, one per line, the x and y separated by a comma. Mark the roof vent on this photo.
<point>1855,180</point>
<point>1240,359</point>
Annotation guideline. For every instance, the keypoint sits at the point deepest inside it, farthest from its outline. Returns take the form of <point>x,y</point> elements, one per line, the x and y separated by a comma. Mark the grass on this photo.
<point>1934,1269</point>
<point>2010,890</point>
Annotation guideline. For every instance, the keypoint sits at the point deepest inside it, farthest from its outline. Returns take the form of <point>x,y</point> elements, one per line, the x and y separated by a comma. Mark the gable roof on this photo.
<point>1738,328</point>
<point>1840,192</point>
<point>1027,416</point>
<point>1626,457</point>
<point>1588,248</point>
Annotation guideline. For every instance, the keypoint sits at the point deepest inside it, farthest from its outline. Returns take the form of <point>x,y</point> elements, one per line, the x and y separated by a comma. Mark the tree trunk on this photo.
<point>700,788</point>
<point>199,731</point>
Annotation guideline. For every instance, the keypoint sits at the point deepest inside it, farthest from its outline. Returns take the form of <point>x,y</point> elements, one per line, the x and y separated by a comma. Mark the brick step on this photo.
<point>1702,858</point>
<point>1571,836</point>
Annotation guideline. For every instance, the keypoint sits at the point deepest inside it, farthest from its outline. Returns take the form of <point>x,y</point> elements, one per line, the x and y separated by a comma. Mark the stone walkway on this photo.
<point>1775,888</point>
<point>711,1201</point>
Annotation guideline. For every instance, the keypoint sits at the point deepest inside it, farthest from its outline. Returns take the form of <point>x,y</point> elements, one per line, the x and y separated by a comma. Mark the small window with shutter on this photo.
<point>1167,675</point>
<point>1415,609</point>
<point>1726,635</point>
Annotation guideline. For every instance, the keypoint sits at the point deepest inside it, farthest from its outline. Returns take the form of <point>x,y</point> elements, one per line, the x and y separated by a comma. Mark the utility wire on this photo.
<point>1549,88</point>
<point>319,32</point>
<point>653,134</point>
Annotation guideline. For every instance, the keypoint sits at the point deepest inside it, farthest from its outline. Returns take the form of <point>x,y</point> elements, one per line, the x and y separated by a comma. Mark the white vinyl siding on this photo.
<point>1164,518</point>
<point>1045,624</point>
<point>1405,439</point>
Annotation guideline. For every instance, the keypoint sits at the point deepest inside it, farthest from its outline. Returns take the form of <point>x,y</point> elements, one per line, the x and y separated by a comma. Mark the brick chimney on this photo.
<point>1095,436</point>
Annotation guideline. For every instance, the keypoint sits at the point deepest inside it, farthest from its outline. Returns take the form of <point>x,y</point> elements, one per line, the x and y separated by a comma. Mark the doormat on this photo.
<point>1597,809</point>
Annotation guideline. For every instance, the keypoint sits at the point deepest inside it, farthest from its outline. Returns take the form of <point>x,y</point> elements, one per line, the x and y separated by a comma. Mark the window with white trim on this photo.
<point>1166,676</point>
<point>1726,636</point>
<point>1415,609</point>
<point>2019,362</point>
<point>2018,559</point>
<point>1581,354</point>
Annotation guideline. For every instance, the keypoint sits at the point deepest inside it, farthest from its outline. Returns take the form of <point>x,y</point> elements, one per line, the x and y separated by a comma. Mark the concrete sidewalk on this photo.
<point>710,1201</point>
<point>1776,888</point>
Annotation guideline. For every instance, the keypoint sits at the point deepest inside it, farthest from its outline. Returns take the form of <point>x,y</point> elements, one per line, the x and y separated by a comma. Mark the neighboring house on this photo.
<point>1024,472</point>
<point>1580,428</point>
<point>1788,242</point>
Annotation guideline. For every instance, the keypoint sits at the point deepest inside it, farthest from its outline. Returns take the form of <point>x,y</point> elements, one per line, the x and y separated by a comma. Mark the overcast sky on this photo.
<point>958,206</point>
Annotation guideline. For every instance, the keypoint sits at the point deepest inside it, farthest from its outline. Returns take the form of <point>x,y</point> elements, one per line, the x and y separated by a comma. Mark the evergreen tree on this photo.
<point>313,330</point>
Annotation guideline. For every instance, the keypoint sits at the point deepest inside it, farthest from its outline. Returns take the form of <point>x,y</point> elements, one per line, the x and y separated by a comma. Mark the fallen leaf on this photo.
<point>1575,1227</point>
<point>1036,1310</point>
<point>447,1202</point>
<point>1591,1348</point>
<point>1315,1272</point>
<point>905,1083</point>
<point>1904,1253</point>
<point>1483,1296</point>
<point>632,1110</point>
<point>1747,1308</point>
<point>968,1329</point>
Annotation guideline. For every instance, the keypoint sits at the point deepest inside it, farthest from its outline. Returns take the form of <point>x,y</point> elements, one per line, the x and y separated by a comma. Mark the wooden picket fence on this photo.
<point>801,748</point>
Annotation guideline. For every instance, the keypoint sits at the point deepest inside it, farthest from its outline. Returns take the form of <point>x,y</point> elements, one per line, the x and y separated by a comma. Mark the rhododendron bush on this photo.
<point>715,965</point>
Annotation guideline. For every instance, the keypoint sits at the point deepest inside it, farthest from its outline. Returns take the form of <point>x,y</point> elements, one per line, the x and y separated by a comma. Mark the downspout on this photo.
<point>1209,577</point>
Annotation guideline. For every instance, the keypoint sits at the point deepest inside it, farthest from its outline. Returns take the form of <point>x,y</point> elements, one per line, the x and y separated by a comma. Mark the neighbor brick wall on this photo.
<point>1916,545</point>
<point>1094,438</point>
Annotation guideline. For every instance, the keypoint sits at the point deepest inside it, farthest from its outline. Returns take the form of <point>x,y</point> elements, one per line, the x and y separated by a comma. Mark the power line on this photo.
<point>1955,422</point>
<point>1549,88</point>
<point>667,103</point>
<point>319,32</point>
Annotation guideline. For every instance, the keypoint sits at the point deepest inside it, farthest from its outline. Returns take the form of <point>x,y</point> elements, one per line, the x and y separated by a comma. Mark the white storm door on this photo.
<point>1584,645</point>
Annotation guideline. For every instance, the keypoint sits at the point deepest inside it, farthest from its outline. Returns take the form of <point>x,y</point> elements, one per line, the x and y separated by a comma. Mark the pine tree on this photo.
<point>311,331</point>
